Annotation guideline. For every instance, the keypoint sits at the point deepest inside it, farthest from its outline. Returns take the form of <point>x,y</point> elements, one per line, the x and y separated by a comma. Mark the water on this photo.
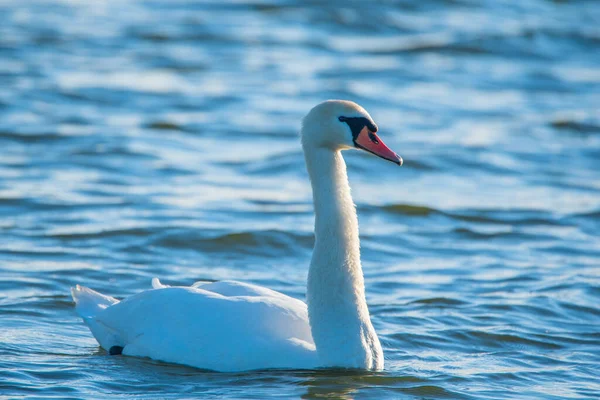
<point>146,138</point>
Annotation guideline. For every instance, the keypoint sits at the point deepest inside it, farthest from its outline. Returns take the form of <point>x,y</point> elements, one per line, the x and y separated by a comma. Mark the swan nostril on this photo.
<point>373,138</point>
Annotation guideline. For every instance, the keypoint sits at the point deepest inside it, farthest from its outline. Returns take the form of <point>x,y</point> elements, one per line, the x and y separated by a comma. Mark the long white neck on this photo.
<point>337,308</point>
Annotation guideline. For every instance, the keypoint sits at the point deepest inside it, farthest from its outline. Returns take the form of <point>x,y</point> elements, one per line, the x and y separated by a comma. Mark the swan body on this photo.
<point>234,326</point>
<point>221,326</point>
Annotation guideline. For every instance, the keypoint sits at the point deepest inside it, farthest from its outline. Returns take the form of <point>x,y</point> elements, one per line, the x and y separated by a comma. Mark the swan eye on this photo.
<point>373,138</point>
<point>342,119</point>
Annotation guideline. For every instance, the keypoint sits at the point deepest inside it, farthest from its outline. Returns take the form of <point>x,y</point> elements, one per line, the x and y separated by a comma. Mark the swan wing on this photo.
<point>235,288</point>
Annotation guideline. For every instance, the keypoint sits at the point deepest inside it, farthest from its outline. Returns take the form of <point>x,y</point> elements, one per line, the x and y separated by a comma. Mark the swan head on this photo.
<point>342,125</point>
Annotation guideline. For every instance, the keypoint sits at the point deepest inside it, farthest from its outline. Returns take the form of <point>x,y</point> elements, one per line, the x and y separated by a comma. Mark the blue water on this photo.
<point>148,138</point>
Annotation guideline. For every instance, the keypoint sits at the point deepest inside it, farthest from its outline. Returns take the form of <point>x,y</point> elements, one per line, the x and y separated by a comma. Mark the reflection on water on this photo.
<point>144,139</point>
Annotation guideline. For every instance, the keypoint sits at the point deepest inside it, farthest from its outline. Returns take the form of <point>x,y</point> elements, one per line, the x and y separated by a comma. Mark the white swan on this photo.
<point>234,326</point>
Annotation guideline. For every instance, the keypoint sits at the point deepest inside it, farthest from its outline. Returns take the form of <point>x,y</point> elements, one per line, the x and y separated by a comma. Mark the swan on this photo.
<point>233,326</point>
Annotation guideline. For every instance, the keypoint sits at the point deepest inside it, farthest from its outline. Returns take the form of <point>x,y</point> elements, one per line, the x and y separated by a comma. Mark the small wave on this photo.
<point>92,233</point>
<point>506,340</point>
<point>31,137</point>
<point>473,234</point>
<point>409,209</point>
<point>440,301</point>
<point>407,44</point>
<point>581,310</point>
<point>595,215</point>
<point>165,126</point>
<point>575,126</point>
<point>432,391</point>
<point>502,217</point>
<point>267,242</point>
<point>154,36</point>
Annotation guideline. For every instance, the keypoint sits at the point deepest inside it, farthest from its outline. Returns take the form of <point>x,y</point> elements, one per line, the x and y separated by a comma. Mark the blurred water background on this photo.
<point>155,138</point>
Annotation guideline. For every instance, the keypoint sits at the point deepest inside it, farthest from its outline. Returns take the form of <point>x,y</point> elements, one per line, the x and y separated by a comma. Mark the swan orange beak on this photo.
<point>370,142</point>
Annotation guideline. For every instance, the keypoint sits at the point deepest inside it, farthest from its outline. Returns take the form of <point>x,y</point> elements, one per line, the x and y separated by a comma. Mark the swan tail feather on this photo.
<point>156,284</point>
<point>88,304</point>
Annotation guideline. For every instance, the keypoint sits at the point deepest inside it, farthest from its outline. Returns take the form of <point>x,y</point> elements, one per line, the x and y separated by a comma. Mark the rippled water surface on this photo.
<point>147,138</point>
